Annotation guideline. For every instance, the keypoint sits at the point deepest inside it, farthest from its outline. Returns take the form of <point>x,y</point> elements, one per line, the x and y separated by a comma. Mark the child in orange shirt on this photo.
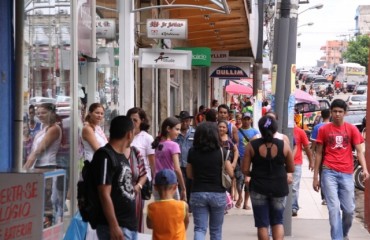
<point>169,218</point>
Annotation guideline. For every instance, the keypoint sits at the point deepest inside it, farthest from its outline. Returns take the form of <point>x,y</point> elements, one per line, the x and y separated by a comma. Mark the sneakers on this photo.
<point>323,202</point>
<point>294,212</point>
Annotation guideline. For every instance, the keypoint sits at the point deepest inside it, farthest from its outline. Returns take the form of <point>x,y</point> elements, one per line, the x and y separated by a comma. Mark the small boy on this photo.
<point>169,218</point>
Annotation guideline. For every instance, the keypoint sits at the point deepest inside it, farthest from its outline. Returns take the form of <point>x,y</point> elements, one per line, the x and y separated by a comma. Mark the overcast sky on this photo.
<point>335,21</point>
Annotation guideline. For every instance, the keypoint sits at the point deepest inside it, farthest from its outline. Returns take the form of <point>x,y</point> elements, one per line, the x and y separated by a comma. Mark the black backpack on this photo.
<point>87,192</point>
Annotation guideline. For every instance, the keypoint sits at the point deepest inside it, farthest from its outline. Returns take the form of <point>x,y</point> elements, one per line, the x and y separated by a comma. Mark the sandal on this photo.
<point>238,204</point>
<point>246,207</point>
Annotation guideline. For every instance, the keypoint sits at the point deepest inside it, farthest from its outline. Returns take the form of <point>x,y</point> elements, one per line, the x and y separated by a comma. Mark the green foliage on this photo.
<point>358,51</point>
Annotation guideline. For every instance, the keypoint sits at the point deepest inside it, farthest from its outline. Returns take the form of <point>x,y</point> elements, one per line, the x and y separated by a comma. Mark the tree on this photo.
<point>358,51</point>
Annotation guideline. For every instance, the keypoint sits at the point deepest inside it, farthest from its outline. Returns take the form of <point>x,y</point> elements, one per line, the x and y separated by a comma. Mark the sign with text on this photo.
<point>220,56</point>
<point>165,58</point>
<point>20,208</point>
<point>201,56</point>
<point>229,71</point>
<point>106,28</point>
<point>167,28</point>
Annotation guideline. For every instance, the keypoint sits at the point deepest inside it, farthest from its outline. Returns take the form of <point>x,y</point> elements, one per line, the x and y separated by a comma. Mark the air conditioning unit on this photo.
<point>38,12</point>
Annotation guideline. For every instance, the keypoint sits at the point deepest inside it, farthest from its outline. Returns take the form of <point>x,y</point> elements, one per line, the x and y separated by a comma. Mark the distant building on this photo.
<point>362,19</point>
<point>333,53</point>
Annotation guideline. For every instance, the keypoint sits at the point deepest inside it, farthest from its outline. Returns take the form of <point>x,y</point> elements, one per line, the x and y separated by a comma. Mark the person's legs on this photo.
<point>129,235</point>
<point>261,214</point>
<point>347,201</point>
<point>217,203</point>
<point>329,184</point>
<point>277,207</point>
<point>263,233</point>
<point>295,188</point>
<point>239,186</point>
<point>199,206</point>
<point>278,232</point>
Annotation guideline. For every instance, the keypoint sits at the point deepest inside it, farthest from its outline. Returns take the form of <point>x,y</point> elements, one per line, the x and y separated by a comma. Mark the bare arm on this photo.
<point>309,156</point>
<point>235,134</point>
<point>151,159</point>
<point>51,135</point>
<point>88,135</point>
<point>236,156</point>
<point>361,160</point>
<point>318,160</point>
<point>108,210</point>
<point>247,160</point>
<point>189,171</point>
<point>177,169</point>
<point>186,219</point>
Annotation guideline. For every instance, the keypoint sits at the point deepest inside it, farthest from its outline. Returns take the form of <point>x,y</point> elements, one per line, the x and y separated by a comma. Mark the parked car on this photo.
<point>311,77</point>
<point>356,102</point>
<point>320,85</point>
<point>63,101</point>
<point>356,118</point>
<point>36,101</point>
<point>350,86</point>
<point>360,89</point>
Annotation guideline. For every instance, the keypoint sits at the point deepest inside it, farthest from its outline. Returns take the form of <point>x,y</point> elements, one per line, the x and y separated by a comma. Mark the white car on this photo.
<point>356,102</point>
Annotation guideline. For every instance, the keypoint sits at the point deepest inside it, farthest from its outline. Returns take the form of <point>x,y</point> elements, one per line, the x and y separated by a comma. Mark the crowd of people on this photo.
<point>185,163</point>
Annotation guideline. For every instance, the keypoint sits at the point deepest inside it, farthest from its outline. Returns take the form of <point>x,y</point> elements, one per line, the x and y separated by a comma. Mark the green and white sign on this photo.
<point>201,56</point>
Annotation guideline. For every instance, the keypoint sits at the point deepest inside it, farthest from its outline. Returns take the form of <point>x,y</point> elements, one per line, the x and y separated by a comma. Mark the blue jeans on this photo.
<point>295,187</point>
<point>208,207</point>
<point>103,233</point>
<point>339,195</point>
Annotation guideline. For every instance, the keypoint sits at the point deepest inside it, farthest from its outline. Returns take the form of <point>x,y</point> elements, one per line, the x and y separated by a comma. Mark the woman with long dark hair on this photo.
<point>143,142</point>
<point>167,153</point>
<point>271,160</point>
<point>47,141</point>
<point>208,196</point>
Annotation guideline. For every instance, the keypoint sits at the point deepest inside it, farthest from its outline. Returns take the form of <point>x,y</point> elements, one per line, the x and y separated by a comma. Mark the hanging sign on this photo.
<point>106,28</point>
<point>164,58</point>
<point>167,28</point>
<point>229,71</point>
<point>201,56</point>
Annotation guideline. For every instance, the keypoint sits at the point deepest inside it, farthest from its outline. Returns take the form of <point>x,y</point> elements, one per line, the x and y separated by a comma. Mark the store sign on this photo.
<point>164,58</point>
<point>106,28</point>
<point>167,28</point>
<point>84,26</point>
<point>229,71</point>
<point>220,56</point>
<point>201,56</point>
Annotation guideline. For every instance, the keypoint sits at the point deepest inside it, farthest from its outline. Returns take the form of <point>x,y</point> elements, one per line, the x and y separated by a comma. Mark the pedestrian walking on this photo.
<point>325,115</point>
<point>301,143</point>
<point>185,140</point>
<point>143,143</point>
<point>118,184</point>
<point>169,218</point>
<point>271,159</point>
<point>246,133</point>
<point>93,138</point>
<point>335,143</point>
<point>208,197</point>
<point>167,153</point>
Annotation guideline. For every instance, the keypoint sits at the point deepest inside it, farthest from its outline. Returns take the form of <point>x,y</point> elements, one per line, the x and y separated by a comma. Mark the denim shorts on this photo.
<point>267,210</point>
<point>239,177</point>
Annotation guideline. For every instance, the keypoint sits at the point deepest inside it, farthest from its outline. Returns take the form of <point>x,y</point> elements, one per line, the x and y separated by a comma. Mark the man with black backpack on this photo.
<point>113,177</point>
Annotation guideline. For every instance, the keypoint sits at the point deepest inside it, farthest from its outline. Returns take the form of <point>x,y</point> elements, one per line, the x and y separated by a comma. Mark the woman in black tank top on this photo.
<point>270,160</point>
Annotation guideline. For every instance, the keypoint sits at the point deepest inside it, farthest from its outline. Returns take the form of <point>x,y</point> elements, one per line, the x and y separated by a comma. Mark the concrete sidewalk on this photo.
<point>311,223</point>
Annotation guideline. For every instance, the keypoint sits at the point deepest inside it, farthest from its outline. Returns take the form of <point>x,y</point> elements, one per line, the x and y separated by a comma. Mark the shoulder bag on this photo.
<point>226,179</point>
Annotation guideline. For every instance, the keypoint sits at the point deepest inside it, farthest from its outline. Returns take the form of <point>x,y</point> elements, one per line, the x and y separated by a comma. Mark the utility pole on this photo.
<point>367,158</point>
<point>284,58</point>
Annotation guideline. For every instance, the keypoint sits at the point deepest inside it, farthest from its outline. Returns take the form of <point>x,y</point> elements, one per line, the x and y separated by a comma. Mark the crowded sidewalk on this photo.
<point>311,223</point>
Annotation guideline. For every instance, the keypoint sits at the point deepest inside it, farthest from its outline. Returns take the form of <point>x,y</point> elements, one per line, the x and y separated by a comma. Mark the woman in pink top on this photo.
<point>167,153</point>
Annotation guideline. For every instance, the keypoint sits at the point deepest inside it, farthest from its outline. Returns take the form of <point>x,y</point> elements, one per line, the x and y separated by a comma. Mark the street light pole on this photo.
<point>284,57</point>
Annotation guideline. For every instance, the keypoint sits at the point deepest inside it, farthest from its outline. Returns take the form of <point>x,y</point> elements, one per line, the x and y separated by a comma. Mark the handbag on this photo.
<point>147,190</point>
<point>226,179</point>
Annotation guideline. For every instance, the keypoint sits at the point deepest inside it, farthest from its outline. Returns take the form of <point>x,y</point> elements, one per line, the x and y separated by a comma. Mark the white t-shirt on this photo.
<point>100,138</point>
<point>143,142</point>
